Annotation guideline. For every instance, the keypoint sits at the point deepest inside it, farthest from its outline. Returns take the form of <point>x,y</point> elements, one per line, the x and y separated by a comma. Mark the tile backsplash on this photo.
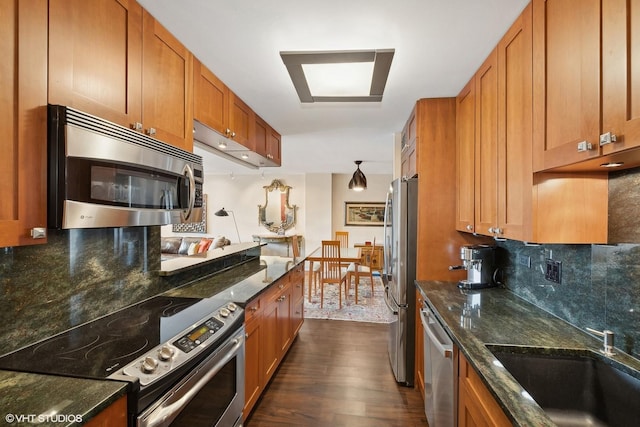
<point>77,276</point>
<point>600,285</point>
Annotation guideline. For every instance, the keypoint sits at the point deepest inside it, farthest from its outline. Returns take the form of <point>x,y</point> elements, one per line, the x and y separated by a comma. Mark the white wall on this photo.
<point>377,187</point>
<point>319,199</point>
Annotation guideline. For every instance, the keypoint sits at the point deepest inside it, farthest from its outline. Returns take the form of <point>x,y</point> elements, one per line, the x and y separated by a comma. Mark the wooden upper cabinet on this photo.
<point>408,157</point>
<point>465,157</point>
<point>486,146</point>
<point>241,121</point>
<point>95,58</point>
<point>112,59</point>
<point>211,99</point>
<point>274,147</point>
<point>261,136</point>
<point>167,79</point>
<point>23,128</point>
<point>515,133</point>
<point>567,81</point>
<point>621,73</point>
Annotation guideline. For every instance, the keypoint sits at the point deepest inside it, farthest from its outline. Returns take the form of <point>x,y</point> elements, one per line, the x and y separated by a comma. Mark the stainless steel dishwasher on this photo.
<point>438,372</point>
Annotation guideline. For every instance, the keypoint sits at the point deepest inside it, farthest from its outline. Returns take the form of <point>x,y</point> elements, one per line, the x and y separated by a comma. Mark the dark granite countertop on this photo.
<point>497,316</point>
<point>34,394</point>
<point>34,397</point>
<point>240,284</point>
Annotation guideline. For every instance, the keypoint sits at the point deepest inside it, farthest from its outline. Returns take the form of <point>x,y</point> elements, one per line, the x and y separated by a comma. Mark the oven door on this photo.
<point>212,394</point>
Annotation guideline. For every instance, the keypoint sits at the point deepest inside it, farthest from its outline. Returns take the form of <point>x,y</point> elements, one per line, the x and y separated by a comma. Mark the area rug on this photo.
<point>370,308</point>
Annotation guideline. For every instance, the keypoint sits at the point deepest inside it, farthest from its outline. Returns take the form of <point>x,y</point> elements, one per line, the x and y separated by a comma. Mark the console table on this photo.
<point>274,238</point>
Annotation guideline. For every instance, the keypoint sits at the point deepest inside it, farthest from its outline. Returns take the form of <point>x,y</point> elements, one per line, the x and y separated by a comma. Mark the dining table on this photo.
<point>347,256</point>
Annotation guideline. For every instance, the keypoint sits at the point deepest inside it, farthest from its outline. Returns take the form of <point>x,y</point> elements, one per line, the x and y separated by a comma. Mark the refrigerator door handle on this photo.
<point>386,301</point>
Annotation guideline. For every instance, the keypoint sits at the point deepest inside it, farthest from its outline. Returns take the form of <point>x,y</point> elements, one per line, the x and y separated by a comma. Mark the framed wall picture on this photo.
<point>364,213</point>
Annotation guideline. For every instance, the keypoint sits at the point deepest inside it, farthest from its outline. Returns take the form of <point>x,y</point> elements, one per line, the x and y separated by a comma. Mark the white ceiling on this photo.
<point>438,46</point>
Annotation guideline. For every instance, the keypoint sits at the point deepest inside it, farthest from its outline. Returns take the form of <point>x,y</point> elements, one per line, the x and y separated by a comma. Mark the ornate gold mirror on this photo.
<point>276,214</point>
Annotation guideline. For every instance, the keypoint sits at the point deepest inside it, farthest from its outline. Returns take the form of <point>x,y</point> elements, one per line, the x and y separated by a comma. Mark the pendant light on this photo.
<point>358,181</point>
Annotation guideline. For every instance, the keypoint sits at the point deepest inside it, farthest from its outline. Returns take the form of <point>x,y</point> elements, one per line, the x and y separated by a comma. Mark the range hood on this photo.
<point>227,148</point>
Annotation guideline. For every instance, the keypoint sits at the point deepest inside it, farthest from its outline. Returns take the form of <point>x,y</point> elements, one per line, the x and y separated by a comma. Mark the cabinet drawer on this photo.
<point>253,309</point>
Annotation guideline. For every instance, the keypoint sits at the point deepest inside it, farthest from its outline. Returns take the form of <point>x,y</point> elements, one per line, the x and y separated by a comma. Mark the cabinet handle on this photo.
<point>38,233</point>
<point>497,230</point>
<point>254,309</point>
<point>137,126</point>
<point>151,131</point>
<point>469,227</point>
<point>491,230</point>
<point>584,146</point>
<point>280,286</point>
<point>607,138</point>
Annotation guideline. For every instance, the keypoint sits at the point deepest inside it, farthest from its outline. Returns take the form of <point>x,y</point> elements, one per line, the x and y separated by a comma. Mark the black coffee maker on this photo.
<point>479,261</point>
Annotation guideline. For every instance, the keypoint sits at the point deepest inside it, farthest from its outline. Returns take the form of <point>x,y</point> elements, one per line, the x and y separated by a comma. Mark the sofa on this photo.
<point>175,246</point>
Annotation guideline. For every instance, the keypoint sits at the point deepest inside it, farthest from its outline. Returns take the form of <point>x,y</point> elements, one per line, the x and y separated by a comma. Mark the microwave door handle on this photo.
<point>177,402</point>
<point>192,190</point>
<point>445,350</point>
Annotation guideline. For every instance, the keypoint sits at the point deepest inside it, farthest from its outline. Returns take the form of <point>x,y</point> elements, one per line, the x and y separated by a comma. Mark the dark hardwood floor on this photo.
<point>337,373</point>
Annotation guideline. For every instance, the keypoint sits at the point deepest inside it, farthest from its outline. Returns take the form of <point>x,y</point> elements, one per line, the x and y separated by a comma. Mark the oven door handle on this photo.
<point>170,408</point>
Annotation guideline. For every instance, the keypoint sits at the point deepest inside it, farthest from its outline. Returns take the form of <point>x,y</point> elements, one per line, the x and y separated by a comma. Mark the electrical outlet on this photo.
<point>553,271</point>
<point>524,260</point>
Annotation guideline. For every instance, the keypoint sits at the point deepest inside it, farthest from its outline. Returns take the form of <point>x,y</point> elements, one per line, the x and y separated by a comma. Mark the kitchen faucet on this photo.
<point>607,341</point>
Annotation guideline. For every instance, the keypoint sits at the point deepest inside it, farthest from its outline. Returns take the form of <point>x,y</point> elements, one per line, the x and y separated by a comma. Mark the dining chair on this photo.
<point>331,272</point>
<point>343,237</point>
<point>363,268</point>
<point>312,272</point>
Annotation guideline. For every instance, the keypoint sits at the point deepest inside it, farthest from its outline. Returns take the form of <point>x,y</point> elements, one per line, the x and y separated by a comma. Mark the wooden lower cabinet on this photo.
<point>253,382</point>
<point>272,321</point>
<point>114,415</point>
<point>476,405</point>
<point>419,368</point>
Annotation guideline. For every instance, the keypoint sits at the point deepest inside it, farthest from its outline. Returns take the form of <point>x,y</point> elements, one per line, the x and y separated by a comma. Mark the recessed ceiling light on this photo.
<point>339,76</point>
<point>612,164</point>
<point>222,145</point>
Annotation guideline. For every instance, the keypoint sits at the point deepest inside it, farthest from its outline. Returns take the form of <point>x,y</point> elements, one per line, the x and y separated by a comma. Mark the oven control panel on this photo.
<point>189,343</point>
<point>198,335</point>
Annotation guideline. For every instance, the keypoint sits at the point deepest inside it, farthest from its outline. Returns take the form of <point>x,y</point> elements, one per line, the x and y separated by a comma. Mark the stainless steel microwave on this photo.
<point>101,174</point>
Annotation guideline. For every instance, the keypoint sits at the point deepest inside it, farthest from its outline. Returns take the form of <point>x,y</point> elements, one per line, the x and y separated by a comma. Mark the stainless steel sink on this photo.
<point>583,389</point>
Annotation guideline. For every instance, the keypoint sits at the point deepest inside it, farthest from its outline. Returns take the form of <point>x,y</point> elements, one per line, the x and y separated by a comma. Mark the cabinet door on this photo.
<point>419,344</point>
<point>408,145</point>
<point>486,146</point>
<point>621,73</point>
<point>270,349</point>
<point>115,415</point>
<point>261,136</point>
<point>465,155</point>
<point>274,147</point>
<point>211,99</point>
<point>567,81</point>
<point>241,121</point>
<point>253,379</point>
<point>285,310</point>
<point>515,93</point>
<point>23,128</point>
<point>476,405</point>
<point>95,53</point>
<point>167,86</point>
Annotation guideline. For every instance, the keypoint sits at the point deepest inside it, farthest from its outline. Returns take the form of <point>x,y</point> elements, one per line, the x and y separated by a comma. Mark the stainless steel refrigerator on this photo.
<point>399,274</point>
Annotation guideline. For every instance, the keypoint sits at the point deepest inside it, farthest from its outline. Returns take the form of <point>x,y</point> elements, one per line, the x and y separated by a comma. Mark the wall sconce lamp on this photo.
<point>358,181</point>
<point>223,212</point>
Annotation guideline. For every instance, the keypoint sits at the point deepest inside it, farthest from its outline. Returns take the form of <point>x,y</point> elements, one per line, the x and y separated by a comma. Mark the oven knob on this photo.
<point>224,312</point>
<point>232,307</point>
<point>166,353</point>
<point>149,364</point>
